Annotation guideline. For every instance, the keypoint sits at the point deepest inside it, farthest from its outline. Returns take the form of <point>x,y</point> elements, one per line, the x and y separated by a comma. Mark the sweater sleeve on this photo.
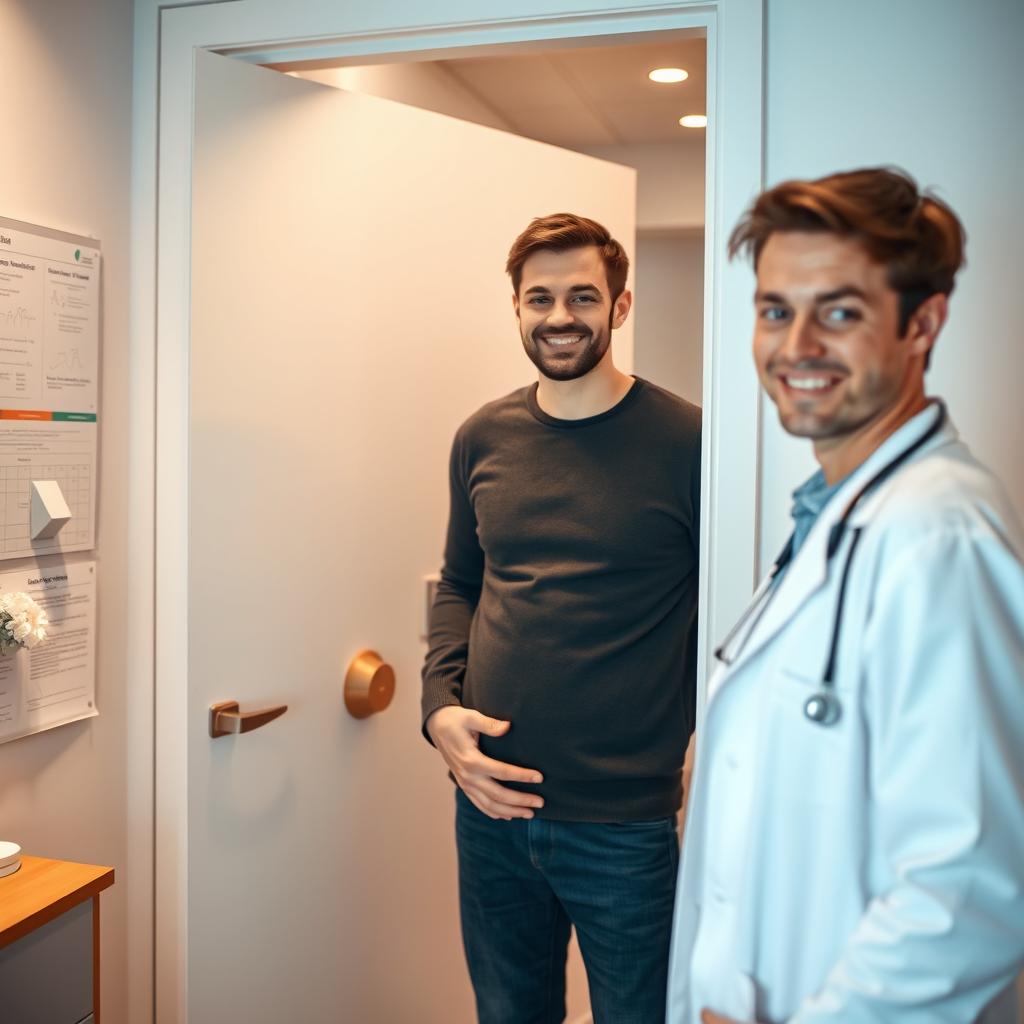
<point>695,467</point>
<point>692,635</point>
<point>457,595</point>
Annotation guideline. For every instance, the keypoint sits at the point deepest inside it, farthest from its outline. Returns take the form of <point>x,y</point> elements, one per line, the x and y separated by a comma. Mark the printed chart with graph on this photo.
<point>73,472</point>
<point>49,367</point>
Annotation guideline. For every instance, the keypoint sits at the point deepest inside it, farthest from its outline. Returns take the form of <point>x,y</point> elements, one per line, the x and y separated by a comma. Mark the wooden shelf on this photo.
<point>42,890</point>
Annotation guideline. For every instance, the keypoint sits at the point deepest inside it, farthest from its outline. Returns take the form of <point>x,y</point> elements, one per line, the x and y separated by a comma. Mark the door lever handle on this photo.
<point>226,719</point>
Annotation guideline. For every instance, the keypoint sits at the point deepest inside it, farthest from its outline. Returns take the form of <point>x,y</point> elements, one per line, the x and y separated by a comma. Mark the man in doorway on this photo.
<point>559,682</point>
<point>854,844</point>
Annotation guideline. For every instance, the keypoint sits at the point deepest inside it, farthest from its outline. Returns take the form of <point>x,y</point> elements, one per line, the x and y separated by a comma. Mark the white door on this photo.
<point>350,309</point>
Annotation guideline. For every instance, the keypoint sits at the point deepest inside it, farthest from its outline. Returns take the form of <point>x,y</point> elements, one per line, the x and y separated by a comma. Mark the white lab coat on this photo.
<point>871,871</point>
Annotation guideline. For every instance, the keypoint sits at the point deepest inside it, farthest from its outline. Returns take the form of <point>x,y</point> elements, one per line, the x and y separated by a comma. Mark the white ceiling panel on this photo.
<point>591,96</point>
<point>568,126</point>
<point>620,72</point>
<point>505,82</point>
<point>576,97</point>
<point>657,121</point>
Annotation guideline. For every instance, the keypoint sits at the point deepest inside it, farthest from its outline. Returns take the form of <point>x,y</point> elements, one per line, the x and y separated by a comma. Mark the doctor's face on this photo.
<point>826,342</point>
<point>565,311</point>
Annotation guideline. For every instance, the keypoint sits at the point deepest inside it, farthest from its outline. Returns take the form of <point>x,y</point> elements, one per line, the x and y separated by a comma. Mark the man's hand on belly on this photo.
<point>708,1017</point>
<point>456,734</point>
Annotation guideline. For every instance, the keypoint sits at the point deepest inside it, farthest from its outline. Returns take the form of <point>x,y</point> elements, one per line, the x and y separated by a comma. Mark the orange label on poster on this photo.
<point>24,414</point>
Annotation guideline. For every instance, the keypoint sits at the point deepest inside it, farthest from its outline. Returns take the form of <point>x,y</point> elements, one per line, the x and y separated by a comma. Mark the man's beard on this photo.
<point>555,365</point>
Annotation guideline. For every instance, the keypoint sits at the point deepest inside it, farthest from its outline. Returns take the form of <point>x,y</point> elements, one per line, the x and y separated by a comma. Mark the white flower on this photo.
<point>22,622</point>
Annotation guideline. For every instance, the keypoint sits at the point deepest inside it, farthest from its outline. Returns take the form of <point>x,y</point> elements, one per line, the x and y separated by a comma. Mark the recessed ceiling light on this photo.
<point>669,75</point>
<point>694,121</point>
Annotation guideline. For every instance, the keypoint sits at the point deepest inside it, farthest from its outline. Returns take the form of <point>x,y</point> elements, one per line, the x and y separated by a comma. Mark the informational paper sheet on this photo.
<point>49,388</point>
<point>55,682</point>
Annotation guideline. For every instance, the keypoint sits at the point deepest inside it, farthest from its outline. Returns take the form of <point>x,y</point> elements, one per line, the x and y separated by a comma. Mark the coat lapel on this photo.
<point>806,574</point>
<point>810,570</point>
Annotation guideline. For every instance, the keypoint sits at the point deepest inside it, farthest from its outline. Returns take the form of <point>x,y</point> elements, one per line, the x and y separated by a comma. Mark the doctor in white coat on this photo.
<point>854,840</point>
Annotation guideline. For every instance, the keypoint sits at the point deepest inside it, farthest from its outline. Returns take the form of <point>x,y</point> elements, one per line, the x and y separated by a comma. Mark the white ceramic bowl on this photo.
<point>9,853</point>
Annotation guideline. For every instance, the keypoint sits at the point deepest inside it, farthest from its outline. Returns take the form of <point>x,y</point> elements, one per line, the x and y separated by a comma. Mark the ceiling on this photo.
<point>590,96</point>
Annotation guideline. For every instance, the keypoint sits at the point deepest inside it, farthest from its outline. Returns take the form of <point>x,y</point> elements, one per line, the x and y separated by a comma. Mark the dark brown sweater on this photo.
<point>568,597</point>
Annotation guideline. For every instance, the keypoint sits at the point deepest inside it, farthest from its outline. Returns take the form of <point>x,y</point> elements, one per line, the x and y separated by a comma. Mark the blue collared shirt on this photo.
<point>809,499</point>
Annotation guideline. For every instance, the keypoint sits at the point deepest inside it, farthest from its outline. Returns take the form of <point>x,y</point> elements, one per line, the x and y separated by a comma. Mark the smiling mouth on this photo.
<point>562,340</point>
<point>809,384</point>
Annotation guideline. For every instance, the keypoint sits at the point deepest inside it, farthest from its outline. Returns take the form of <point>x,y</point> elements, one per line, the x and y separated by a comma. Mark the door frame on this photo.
<point>167,36</point>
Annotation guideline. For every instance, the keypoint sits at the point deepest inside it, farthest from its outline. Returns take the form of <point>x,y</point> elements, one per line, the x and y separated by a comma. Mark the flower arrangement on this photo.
<point>22,622</point>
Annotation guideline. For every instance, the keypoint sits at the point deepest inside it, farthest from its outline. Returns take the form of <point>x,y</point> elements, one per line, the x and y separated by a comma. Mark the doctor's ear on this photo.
<point>925,323</point>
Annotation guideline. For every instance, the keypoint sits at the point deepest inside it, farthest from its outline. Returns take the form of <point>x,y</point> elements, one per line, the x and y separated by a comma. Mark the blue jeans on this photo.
<point>524,883</point>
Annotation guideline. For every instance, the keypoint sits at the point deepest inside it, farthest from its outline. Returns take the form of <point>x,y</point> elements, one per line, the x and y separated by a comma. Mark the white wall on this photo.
<point>670,180</point>
<point>932,86</point>
<point>67,116</point>
<point>669,310</point>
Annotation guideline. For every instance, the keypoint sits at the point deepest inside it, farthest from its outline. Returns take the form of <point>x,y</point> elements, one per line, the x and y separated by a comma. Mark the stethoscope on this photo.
<point>824,707</point>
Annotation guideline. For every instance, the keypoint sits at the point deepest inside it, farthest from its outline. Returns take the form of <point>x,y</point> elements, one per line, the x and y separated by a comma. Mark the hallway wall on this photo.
<point>670,179</point>
<point>669,310</point>
<point>669,259</point>
<point>67,164</point>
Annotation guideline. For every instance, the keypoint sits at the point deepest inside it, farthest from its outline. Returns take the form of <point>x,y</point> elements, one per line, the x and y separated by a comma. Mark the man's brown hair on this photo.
<point>916,236</point>
<point>561,231</point>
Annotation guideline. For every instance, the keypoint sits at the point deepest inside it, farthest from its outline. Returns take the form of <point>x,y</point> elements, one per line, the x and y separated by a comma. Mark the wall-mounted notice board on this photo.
<point>49,370</point>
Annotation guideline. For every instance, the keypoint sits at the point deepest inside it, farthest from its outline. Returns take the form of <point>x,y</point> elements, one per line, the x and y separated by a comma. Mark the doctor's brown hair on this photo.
<point>561,231</point>
<point>916,236</point>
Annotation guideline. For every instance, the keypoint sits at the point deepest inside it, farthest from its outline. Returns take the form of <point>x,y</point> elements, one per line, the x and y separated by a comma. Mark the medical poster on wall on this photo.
<point>55,683</point>
<point>49,388</point>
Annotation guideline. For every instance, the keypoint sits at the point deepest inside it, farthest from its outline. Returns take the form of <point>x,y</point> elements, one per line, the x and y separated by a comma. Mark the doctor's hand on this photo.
<point>455,732</point>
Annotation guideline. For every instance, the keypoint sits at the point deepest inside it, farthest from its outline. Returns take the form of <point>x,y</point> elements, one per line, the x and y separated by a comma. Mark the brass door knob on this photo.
<point>369,684</point>
<point>226,719</point>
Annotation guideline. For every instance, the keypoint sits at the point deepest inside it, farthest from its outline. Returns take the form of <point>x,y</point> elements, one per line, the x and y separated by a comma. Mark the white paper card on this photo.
<point>55,683</point>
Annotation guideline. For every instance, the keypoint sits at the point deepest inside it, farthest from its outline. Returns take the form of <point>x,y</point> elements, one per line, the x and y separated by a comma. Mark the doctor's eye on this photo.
<point>840,315</point>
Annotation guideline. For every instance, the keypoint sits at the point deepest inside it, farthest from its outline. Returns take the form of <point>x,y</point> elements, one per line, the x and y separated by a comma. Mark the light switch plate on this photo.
<point>429,593</point>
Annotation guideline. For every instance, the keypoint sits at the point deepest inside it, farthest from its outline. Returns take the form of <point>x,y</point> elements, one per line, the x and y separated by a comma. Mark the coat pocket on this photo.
<point>812,761</point>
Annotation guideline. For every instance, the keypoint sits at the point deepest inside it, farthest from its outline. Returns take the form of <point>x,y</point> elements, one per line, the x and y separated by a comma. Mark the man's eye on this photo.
<point>539,300</point>
<point>583,299</point>
<point>773,313</point>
